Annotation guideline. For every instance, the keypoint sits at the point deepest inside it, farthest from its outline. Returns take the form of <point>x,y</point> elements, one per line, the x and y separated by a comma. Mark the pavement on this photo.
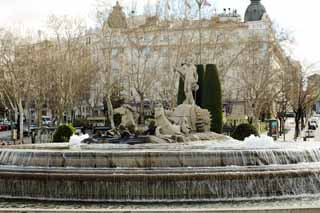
<point>290,126</point>
<point>5,136</point>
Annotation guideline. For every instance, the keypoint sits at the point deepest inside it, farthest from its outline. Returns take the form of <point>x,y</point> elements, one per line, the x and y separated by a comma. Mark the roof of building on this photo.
<point>254,11</point>
<point>117,18</point>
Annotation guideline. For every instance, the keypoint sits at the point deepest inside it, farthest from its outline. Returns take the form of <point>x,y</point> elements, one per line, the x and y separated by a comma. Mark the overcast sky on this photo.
<point>299,17</point>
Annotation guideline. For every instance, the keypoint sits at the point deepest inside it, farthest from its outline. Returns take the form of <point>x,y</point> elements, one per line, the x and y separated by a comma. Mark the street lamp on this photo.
<point>199,3</point>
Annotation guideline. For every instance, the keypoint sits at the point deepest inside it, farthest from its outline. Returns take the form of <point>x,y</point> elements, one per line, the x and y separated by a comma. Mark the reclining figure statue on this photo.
<point>164,126</point>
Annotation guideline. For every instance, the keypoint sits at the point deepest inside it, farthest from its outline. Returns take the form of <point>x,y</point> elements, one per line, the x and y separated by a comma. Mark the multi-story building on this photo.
<point>141,54</point>
<point>314,85</point>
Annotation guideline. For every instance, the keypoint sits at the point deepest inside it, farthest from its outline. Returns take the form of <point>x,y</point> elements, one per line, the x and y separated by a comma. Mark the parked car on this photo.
<point>27,131</point>
<point>9,125</point>
<point>290,115</point>
<point>312,125</point>
<point>314,122</point>
<point>46,121</point>
<point>4,125</point>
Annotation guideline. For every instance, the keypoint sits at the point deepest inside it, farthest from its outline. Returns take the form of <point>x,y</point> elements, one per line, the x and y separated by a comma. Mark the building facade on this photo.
<point>141,53</point>
<point>133,60</point>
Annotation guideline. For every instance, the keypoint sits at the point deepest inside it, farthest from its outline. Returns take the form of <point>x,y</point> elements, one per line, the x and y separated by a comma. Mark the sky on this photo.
<point>300,18</point>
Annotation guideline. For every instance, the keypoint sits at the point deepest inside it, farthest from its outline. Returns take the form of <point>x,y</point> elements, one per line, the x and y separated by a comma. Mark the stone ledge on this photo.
<point>250,210</point>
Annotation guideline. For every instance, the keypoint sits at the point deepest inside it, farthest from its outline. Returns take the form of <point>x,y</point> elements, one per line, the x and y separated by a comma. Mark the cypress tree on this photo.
<point>181,95</point>
<point>212,97</point>
<point>199,94</point>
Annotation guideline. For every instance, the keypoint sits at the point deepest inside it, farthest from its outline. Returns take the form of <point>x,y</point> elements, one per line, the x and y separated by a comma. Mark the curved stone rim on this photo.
<point>177,187</point>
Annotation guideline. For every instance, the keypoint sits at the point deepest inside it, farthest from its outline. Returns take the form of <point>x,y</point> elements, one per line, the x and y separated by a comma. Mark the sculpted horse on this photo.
<point>127,115</point>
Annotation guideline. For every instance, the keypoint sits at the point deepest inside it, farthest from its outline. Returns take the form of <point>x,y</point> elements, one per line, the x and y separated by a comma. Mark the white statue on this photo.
<point>189,74</point>
<point>164,126</point>
<point>127,116</point>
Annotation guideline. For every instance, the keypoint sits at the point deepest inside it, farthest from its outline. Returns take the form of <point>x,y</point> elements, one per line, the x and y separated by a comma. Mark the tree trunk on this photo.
<point>110,111</point>
<point>39,116</point>
<point>281,124</point>
<point>297,128</point>
<point>20,108</point>
<point>284,129</point>
<point>28,114</point>
<point>297,123</point>
<point>70,116</point>
<point>302,121</point>
<point>141,108</point>
<point>60,117</point>
<point>16,114</point>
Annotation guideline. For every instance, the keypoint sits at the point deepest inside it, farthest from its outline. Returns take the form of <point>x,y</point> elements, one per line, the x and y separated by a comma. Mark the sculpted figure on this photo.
<point>164,126</point>
<point>127,116</point>
<point>189,74</point>
<point>185,128</point>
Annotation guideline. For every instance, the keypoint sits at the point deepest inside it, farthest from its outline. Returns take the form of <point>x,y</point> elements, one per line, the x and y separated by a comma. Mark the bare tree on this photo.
<point>105,55</point>
<point>71,64</point>
<point>143,62</point>
<point>260,78</point>
<point>16,70</point>
<point>303,95</point>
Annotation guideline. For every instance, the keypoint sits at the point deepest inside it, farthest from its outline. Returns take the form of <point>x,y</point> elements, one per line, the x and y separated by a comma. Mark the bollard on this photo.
<point>14,135</point>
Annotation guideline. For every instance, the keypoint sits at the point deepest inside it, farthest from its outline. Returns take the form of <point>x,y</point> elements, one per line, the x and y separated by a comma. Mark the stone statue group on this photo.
<point>185,119</point>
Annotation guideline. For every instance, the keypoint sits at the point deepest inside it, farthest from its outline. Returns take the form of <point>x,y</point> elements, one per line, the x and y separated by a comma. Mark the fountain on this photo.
<point>204,167</point>
<point>206,171</point>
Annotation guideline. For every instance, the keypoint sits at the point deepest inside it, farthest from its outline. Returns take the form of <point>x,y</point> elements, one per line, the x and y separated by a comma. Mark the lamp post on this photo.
<point>199,3</point>
<point>132,65</point>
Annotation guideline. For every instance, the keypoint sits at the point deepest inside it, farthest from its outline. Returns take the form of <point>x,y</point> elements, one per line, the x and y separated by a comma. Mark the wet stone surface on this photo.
<point>271,204</point>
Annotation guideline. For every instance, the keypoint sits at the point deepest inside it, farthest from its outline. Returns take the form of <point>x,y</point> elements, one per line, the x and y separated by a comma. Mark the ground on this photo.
<point>290,125</point>
<point>6,136</point>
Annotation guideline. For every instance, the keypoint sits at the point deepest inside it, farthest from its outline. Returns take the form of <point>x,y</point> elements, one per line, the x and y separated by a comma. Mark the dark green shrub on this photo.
<point>181,95</point>
<point>199,94</point>
<point>244,130</point>
<point>228,129</point>
<point>63,133</point>
<point>212,97</point>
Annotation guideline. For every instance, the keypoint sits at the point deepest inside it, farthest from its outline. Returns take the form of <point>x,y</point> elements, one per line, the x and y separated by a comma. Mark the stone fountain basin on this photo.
<point>150,156</point>
<point>162,185</point>
<point>195,172</point>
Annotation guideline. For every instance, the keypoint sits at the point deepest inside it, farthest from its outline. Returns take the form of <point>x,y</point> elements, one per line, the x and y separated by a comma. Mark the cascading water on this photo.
<point>203,171</point>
